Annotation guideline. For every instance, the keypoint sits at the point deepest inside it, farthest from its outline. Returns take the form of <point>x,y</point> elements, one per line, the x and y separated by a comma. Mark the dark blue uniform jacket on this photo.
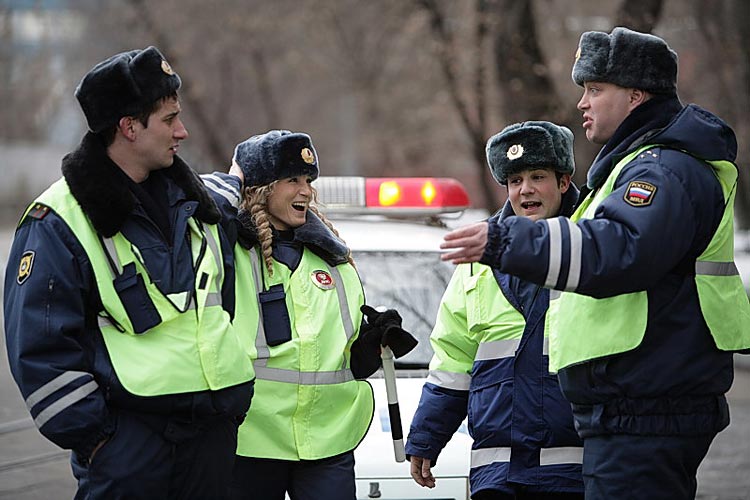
<point>674,382</point>
<point>51,318</point>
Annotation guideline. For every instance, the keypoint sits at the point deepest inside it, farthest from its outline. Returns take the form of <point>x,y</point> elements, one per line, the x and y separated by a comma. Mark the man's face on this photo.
<point>157,144</point>
<point>536,193</point>
<point>288,202</point>
<point>604,106</point>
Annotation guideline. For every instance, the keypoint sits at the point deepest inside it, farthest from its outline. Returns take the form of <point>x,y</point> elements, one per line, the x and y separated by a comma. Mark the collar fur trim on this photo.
<point>97,185</point>
<point>313,233</point>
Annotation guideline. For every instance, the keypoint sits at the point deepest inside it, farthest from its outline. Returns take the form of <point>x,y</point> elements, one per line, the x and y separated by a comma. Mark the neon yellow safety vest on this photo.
<point>493,328</point>
<point>583,328</point>
<point>307,404</point>
<point>193,347</point>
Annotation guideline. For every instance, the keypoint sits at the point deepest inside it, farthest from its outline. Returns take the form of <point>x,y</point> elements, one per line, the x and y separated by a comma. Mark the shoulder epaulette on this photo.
<point>39,211</point>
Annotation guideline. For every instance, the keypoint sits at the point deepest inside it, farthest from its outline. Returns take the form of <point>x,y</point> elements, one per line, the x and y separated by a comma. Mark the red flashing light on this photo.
<point>415,193</point>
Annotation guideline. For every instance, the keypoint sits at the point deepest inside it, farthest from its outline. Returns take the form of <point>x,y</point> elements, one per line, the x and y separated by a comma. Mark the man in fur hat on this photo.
<point>118,300</point>
<point>651,304</point>
<point>490,359</point>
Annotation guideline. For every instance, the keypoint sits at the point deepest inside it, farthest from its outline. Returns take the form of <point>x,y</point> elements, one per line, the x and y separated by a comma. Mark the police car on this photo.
<point>394,227</point>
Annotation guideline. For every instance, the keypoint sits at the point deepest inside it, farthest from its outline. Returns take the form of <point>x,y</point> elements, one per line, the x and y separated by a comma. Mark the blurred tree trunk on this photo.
<point>639,15</point>
<point>472,112</point>
<point>216,149</point>
<point>726,31</point>
<point>525,83</point>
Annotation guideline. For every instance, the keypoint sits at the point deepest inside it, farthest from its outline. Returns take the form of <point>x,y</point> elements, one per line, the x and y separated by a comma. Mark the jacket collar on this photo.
<point>641,124</point>
<point>97,184</point>
<point>313,234</point>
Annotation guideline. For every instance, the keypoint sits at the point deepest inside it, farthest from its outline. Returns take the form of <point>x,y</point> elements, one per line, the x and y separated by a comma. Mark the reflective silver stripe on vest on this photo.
<point>576,250</point>
<point>53,386</point>
<point>65,402</point>
<point>346,317</point>
<point>545,346</point>
<point>497,349</point>
<point>547,456</point>
<point>561,455</point>
<point>555,252</point>
<point>214,246</point>
<point>716,268</point>
<point>486,456</point>
<point>261,345</point>
<point>449,380</point>
<point>302,378</point>
<point>212,299</point>
<point>109,246</point>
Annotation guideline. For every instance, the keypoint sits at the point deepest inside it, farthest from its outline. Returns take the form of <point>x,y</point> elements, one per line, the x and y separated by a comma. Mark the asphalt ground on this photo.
<point>32,468</point>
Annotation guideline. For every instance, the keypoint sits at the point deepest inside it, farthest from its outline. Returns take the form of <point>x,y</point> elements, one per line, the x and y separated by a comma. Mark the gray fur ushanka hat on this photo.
<point>626,58</point>
<point>529,145</point>
<point>123,85</point>
<point>277,154</point>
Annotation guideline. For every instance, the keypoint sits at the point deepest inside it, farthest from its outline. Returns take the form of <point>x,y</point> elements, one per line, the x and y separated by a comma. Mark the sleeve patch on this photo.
<point>25,266</point>
<point>639,194</point>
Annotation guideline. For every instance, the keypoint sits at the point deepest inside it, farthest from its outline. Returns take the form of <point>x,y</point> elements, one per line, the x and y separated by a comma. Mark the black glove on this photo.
<point>392,335</point>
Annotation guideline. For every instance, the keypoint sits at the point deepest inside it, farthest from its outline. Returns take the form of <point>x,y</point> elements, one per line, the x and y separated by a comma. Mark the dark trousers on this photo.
<point>267,479</point>
<point>139,462</point>
<point>499,495</point>
<point>626,467</point>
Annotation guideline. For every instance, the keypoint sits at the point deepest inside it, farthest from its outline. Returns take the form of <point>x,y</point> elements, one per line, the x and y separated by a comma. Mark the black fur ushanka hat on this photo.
<point>530,145</point>
<point>123,85</point>
<point>277,154</point>
<point>626,58</point>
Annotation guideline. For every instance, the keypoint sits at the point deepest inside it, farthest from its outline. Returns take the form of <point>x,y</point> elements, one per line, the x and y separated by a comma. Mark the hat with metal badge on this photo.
<point>529,145</point>
<point>277,154</point>
<point>124,85</point>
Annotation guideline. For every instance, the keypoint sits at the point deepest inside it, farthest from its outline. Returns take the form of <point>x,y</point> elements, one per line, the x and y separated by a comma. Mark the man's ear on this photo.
<point>564,183</point>
<point>638,97</point>
<point>126,126</point>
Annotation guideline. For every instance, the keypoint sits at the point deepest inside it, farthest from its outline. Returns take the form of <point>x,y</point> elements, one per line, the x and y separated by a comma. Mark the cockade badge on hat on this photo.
<point>165,67</point>
<point>307,156</point>
<point>514,152</point>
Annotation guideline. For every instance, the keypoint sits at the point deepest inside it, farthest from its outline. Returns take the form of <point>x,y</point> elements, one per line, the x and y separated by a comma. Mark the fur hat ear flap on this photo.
<point>277,154</point>
<point>626,58</point>
<point>124,85</point>
<point>530,145</point>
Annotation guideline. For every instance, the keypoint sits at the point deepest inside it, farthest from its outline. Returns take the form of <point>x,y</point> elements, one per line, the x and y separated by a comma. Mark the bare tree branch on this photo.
<point>474,123</point>
<point>217,150</point>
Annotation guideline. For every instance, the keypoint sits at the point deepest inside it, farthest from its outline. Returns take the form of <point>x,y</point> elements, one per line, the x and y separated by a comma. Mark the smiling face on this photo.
<point>536,193</point>
<point>288,202</point>
<point>605,106</point>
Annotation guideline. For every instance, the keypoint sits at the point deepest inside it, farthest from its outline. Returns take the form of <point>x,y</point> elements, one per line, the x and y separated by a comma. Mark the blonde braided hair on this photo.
<point>255,201</point>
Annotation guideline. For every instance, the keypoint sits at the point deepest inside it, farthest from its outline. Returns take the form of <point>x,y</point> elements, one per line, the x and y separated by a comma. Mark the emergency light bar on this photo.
<point>391,195</point>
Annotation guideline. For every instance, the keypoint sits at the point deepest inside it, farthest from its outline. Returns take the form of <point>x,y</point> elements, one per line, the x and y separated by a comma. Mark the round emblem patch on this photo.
<point>307,156</point>
<point>165,67</point>
<point>24,267</point>
<point>322,279</point>
<point>514,152</point>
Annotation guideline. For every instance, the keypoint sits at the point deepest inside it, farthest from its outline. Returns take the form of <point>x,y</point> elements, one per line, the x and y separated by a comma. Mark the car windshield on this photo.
<point>412,283</point>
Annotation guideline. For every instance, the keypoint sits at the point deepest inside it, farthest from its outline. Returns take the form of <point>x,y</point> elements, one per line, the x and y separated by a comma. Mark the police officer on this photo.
<point>652,305</point>
<point>311,408</point>
<point>491,350</point>
<point>118,300</point>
